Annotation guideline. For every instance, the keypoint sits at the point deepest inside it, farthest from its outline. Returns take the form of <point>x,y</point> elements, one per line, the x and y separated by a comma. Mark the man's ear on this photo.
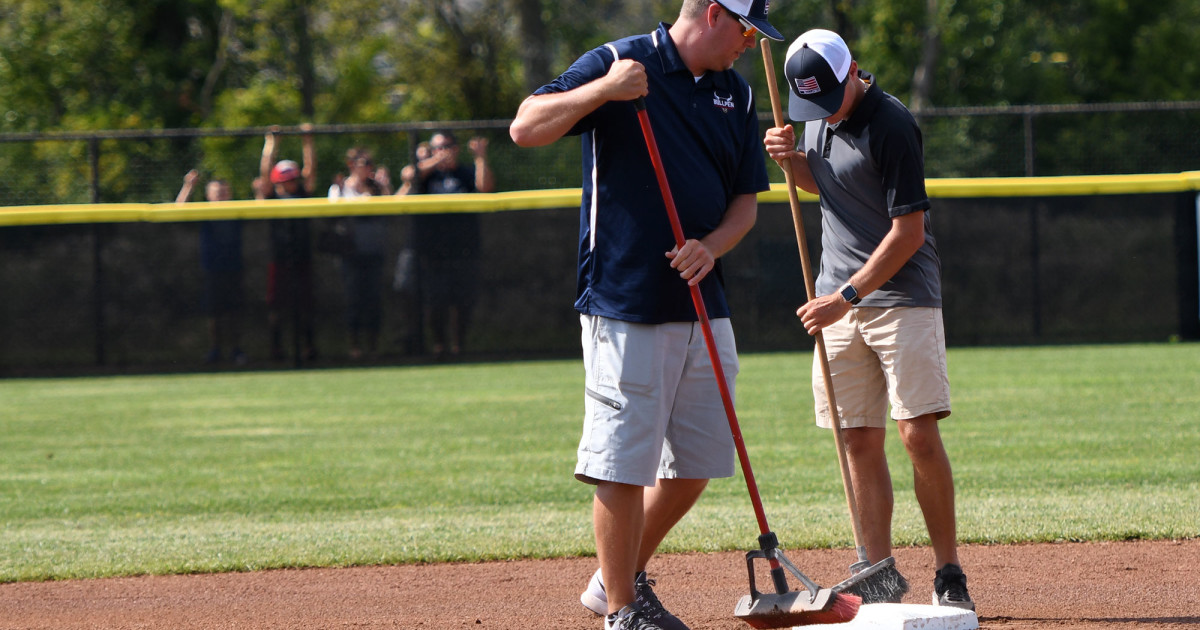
<point>713,13</point>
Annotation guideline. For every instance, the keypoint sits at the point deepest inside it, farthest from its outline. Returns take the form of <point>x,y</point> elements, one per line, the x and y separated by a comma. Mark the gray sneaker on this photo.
<point>950,588</point>
<point>593,597</point>
<point>595,600</point>
<point>629,618</point>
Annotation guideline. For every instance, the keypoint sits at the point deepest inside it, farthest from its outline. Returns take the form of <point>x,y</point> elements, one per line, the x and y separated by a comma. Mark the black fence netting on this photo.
<point>1021,270</point>
<point>146,166</point>
<point>1017,270</point>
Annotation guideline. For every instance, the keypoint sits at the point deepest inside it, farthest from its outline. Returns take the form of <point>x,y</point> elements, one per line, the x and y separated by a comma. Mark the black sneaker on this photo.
<point>651,607</point>
<point>950,588</point>
<point>595,599</point>
<point>629,618</point>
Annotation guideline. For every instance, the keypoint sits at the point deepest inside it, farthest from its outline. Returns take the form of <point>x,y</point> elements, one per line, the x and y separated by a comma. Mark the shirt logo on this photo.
<point>724,102</point>
<point>807,86</point>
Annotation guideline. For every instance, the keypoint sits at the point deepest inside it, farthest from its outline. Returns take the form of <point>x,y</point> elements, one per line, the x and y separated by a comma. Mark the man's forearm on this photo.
<point>899,245</point>
<point>739,218</point>
<point>485,180</point>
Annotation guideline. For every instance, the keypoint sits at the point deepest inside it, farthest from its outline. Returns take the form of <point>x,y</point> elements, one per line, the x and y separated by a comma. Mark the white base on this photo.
<point>907,617</point>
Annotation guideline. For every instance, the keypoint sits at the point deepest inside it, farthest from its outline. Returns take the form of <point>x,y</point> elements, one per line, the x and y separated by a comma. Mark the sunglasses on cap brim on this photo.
<point>749,30</point>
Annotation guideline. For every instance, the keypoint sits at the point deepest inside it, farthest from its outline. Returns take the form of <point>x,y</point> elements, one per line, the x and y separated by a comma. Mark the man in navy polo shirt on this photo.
<point>655,430</point>
<point>880,297</point>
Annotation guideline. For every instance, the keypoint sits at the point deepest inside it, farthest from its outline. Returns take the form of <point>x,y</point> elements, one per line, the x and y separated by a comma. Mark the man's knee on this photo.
<point>921,437</point>
<point>864,442</point>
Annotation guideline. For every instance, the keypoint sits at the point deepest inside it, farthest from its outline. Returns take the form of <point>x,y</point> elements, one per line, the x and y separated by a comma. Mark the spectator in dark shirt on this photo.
<point>448,244</point>
<point>221,259</point>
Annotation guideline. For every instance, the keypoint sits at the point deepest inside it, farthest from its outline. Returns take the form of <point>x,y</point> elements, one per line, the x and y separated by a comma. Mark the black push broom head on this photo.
<point>797,608</point>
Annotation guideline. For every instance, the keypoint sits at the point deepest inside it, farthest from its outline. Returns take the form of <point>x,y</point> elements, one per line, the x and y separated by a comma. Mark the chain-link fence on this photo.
<point>148,166</point>
<point>1052,140</point>
<point>1021,269</point>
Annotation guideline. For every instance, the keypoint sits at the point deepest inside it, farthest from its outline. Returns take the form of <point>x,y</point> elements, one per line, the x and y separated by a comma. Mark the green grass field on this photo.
<point>234,472</point>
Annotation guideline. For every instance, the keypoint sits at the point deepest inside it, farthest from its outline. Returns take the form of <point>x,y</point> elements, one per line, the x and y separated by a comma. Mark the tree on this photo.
<point>80,64</point>
<point>927,65</point>
<point>125,64</point>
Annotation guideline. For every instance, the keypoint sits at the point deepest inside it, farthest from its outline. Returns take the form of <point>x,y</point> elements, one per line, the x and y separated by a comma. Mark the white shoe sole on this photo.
<point>937,601</point>
<point>593,598</point>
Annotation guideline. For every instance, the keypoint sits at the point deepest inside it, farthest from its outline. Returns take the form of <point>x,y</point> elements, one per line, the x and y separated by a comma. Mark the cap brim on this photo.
<point>805,109</point>
<point>765,28</point>
<point>761,24</point>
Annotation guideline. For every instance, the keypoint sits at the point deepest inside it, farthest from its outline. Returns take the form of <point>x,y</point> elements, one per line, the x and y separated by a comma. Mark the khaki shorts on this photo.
<point>652,406</point>
<point>881,357</point>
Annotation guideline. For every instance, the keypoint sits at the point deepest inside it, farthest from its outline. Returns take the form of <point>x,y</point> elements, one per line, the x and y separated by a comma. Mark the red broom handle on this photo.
<point>702,313</point>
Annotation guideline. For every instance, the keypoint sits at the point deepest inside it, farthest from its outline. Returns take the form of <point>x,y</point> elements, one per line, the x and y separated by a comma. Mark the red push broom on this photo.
<point>784,608</point>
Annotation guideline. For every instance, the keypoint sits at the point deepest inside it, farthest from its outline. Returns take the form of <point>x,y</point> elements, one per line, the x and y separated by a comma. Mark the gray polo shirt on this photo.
<point>870,168</point>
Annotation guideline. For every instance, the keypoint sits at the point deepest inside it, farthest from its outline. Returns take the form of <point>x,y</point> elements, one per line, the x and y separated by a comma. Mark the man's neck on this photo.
<point>858,91</point>
<point>687,35</point>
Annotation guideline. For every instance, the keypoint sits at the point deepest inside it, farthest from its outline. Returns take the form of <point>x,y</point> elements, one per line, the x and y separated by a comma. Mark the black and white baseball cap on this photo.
<point>816,69</point>
<point>754,12</point>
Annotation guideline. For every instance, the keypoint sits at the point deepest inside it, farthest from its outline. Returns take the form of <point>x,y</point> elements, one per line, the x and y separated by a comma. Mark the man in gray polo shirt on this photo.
<point>880,302</point>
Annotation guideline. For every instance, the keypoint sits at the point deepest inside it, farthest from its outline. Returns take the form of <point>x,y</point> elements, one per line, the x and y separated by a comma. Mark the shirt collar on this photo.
<point>668,56</point>
<point>866,107</point>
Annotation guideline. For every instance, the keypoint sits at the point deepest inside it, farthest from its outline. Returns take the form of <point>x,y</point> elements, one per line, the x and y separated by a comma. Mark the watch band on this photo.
<point>850,294</point>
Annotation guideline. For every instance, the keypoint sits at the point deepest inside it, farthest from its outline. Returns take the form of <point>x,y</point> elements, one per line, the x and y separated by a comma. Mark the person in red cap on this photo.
<point>655,429</point>
<point>879,304</point>
<point>289,274</point>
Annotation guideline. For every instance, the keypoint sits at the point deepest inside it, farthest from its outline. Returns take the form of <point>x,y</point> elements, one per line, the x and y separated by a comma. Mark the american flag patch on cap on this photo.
<point>807,86</point>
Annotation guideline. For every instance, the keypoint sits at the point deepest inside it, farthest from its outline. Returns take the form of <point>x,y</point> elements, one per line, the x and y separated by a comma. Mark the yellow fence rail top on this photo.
<point>286,208</point>
<point>1062,186</point>
<point>990,187</point>
<point>556,198</point>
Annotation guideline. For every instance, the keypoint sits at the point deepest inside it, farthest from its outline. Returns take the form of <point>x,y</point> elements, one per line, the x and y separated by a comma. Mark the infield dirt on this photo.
<point>1136,585</point>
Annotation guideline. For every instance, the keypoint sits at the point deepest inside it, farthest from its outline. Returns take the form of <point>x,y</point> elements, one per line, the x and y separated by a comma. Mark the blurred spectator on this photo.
<point>362,174</point>
<point>408,174</point>
<point>361,242</point>
<point>448,245</point>
<point>290,273</point>
<point>405,281</point>
<point>221,259</point>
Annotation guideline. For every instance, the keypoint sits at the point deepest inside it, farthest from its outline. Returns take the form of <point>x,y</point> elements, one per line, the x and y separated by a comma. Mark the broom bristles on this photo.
<point>881,583</point>
<point>795,609</point>
<point>845,608</point>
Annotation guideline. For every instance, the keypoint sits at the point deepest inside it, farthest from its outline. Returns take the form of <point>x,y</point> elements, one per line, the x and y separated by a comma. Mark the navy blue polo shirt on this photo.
<point>707,133</point>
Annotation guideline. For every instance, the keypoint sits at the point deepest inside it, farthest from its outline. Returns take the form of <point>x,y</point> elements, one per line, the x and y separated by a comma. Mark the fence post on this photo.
<point>97,249</point>
<point>1035,250</point>
<point>1187,239</point>
<point>416,342</point>
<point>1029,170</point>
<point>1035,270</point>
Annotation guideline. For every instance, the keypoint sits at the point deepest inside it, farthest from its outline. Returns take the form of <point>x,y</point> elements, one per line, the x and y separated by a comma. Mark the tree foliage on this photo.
<point>999,52</point>
<point>90,64</point>
<point>74,65</point>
